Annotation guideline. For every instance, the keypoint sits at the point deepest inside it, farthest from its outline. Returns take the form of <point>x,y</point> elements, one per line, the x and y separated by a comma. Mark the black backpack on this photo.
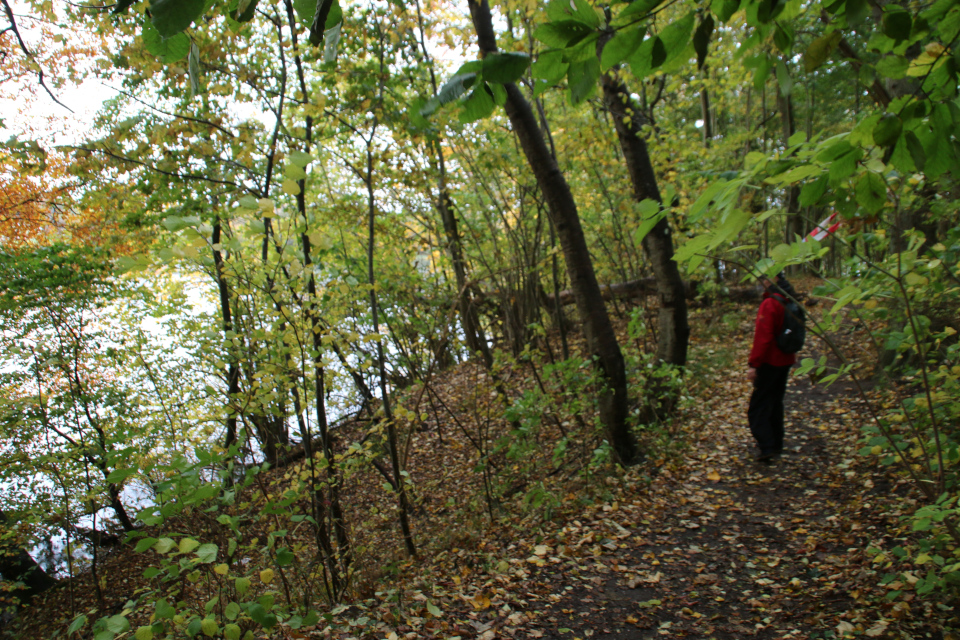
<point>794,331</point>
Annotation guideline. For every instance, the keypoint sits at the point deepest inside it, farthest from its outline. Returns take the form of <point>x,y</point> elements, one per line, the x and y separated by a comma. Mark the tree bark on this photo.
<point>674,329</point>
<point>601,340</point>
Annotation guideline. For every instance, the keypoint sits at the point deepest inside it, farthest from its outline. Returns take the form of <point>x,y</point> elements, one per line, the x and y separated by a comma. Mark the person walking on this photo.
<point>769,368</point>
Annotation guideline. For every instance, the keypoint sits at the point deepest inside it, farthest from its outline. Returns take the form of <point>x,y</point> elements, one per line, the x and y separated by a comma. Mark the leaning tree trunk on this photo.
<point>601,340</point>
<point>16,565</point>
<point>674,331</point>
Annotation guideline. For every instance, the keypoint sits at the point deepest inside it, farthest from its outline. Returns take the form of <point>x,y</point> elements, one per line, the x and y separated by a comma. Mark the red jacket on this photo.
<point>769,324</point>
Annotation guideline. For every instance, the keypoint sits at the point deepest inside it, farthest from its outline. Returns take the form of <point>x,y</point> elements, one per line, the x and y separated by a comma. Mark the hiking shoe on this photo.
<point>767,457</point>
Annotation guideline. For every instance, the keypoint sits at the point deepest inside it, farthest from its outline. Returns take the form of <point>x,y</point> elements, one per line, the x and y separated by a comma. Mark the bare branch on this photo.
<point>26,51</point>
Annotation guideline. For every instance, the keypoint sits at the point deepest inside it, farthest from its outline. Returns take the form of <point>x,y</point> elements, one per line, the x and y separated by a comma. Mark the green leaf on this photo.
<point>676,36</point>
<point>781,253</point>
<point>232,611</point>
<point>621,46</point>
<point>784,79</point>
<point>725,9</point>
<point>550,66</point>
<point>768,10</point>
<point>169,50</point>
<point>164,610</point>
<point>845,296</point>
<point>170,17</point>
<point>311,618</point>
<point>334,17</point>
<point>505,68</point>
<point>249,202</point>
<point>701,39</point>
<point>284,557</point>
<point>77,624</point>
<point>811,192</point>
<point>207,553</point>
<point>916,149</point>
<point>478,105</point>
<point>266,601</point>
<point>871,192</point>
<point>117,476</point>
<point>913,279</point>
<point>434,610</point>
<point>145,543</point>
<point>647,226</point>
<point>294,172</point>
<point>231,632</point>
<point>193,628</point>
<point>242,585</point>
<point>144,633</point>
<point>762,71</point>
<point>637,10</point>
<point>893,66</point>
<point>896,23</point>
<point>582,79</point>
<point>734,223</point>
<point>692,251</point>
<point>331,40</point>
<point>820,49</point>
<point>118,624</point>
<point>193,66</point>
<point>783,37</point>
<point>244,11</point>
<point>562,34</point>
<point>163,545</point>
<point>857,12</point>
<point>298,158</point>
<point>844,166</point>
<point>305,10</point>
<point>658,53</point>
<point>456,87</point>
<point>209,627</point>
<point>887,130</point>
<point>122,6</point>
<point>585,14</point>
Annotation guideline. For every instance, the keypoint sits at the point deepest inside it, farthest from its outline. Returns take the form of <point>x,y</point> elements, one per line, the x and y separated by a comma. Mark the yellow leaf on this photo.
<point>290,188</point>
<point>266,576</point>
<point>188,544</point>
<point>221,569</point>
<point>713,476</point>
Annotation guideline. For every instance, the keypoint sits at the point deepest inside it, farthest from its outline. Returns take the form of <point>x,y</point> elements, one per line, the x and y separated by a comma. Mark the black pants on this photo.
<point>766,407</point>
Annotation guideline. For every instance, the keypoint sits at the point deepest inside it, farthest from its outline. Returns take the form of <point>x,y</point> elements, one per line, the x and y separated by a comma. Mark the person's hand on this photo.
<point>751,374</point>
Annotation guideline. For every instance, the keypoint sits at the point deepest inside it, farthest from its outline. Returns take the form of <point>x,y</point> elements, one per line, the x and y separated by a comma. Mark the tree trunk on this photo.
<point>16,565</point>
<point>791,196</point>
<point>233,368</point>
<point>705,113</point>
<point>601,340</point>
<point>674,330</point>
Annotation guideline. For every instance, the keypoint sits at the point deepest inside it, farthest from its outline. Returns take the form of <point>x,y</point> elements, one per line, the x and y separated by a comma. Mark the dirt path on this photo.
<point>736,549</point>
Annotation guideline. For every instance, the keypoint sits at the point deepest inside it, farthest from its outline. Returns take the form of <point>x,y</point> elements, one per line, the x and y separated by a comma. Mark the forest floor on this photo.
<point>710,545</point>
<point>700,542</point>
